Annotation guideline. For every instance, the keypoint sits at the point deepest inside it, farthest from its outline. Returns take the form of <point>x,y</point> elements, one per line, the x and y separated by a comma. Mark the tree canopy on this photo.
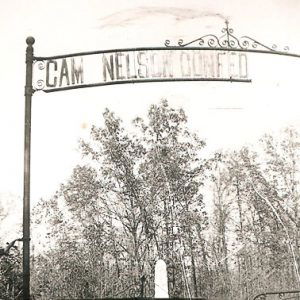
<point>227,225</point>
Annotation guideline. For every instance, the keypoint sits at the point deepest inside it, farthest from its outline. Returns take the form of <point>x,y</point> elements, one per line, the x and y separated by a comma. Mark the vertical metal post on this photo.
<point>227,33</point>
<point>26,195</point>
<point>143,279</point>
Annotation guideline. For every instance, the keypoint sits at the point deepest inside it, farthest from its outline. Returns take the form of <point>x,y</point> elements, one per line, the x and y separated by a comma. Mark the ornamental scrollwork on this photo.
<point>39,84</point>
<point>227,40</point>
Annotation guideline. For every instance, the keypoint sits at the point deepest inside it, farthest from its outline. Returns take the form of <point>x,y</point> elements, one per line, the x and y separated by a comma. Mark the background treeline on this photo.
<point>226,225</point>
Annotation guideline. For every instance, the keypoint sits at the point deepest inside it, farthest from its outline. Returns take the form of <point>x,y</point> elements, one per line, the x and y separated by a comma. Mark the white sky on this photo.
<point>59,119</point>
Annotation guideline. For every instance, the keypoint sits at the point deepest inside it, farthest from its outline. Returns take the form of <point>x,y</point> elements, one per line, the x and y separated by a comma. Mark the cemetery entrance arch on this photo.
<point>208,58</point>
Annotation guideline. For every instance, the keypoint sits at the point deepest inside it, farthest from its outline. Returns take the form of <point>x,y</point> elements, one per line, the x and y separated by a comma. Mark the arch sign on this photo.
<point>208,58</point>
<point>138,65</point>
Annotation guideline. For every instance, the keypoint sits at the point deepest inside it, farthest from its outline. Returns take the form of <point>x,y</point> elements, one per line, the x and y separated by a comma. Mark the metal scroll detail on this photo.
<point>227,40</point>
<point>40,83</point>
<point>291,294</point>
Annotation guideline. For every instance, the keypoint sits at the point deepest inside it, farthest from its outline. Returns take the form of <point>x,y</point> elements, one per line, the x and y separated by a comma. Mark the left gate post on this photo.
<point>26,191</point>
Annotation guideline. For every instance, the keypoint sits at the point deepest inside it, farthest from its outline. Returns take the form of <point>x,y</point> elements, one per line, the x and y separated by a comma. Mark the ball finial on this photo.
<point>30,40</point>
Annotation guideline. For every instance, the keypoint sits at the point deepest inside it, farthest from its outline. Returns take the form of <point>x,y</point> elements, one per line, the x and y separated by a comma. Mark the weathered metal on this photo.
<point>27,141</point>
<point>139,66</point>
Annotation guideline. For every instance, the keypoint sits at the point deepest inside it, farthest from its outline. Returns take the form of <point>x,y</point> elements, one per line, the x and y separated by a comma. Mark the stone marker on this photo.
<point>161,280</point>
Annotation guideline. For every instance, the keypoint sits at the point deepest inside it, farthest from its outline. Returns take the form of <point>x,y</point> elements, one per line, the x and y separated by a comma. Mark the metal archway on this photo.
<point>226,43</point>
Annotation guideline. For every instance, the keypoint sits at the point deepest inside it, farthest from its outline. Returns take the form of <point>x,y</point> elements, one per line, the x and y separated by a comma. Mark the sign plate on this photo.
<point>131,66</point>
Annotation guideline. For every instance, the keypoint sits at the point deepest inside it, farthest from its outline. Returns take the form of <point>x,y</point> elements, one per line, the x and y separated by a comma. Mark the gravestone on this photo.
<point>161,280</point>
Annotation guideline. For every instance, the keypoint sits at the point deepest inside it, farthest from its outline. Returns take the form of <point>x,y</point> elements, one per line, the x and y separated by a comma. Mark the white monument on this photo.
<point>161,280</point>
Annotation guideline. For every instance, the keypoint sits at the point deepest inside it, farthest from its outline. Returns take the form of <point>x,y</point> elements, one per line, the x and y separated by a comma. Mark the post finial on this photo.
<point>30,41</point>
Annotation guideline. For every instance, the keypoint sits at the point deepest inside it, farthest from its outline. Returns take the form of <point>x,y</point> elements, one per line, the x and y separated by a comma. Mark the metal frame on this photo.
<point>176,48</point>
<point>145,81</point>
<point>27,145</point>
<point>226,42</point>
<point>263,296</point>
<point>41,59</point>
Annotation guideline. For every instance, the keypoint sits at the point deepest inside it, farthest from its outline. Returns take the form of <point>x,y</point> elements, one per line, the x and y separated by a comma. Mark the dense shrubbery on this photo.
<point>11,275</point>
